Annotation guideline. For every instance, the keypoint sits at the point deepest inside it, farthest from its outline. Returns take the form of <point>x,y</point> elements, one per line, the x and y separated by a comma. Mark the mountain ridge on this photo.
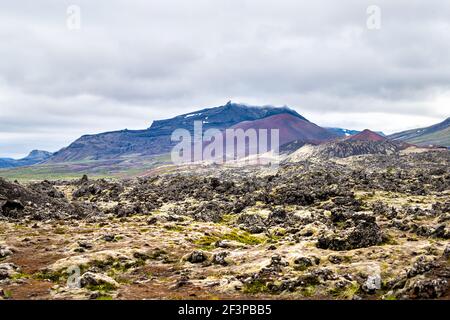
<point>437,134</point>
<point>34,157</point>
<point>156,139</point>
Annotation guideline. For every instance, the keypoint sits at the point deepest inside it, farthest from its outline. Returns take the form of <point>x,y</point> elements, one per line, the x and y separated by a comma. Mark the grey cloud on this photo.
<point>136,61</point>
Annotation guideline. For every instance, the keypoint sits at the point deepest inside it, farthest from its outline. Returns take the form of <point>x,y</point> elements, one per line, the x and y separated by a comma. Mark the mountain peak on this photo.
<point>366,135</point>
<point>38,155</point>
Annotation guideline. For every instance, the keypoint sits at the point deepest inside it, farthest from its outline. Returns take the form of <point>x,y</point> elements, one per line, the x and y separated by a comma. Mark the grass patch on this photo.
<point>389,240</point>
<point>104,287</point>
<point>345,293</point>
<point>60,231</point>
<point>255,287</point>
<point>308,291</point>
<point>174,228</point>
<point>50,275</point>
<point>7,294</point>
<point>18,276</point>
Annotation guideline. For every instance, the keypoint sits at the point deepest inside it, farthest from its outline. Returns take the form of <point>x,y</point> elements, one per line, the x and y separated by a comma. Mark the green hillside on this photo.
<point>441,137</point>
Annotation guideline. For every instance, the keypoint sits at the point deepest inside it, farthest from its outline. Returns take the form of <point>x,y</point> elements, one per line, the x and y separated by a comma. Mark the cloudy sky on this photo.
<point>134,61</point>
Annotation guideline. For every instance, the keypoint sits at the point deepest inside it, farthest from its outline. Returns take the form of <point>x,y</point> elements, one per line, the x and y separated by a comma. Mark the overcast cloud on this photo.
<point>134,61</point>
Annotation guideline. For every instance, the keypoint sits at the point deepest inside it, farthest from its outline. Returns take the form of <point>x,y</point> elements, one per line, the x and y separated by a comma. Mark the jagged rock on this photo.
<point>372,284</point>
<point>252,223</point>
<point>277,216</point>
<point>109,237</point>
<point>85,245</point>
<point>447,252</point>
<point>197,257</point>
<point>84,179</point>
<point>335,259</point>
<point>7,270</point>
<point>220,258</point>
<point>316,277</point>
<point>420,266</point>
<point>211,211</point>
<point>47,188</point>
<point>363,234</point>
<point>427,288</point>
<point>303,263</point>
<point>5,251</point>
<point>12,208</point>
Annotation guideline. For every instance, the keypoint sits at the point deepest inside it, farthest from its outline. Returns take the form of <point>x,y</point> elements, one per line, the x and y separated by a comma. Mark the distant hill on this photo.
<point>291,128</point>
<point>156,139</point>
<point>34,157</point>
<point>343,132</point>
<point>349,132</point>
<point>365,142</point>
<point>438,135</point>
<point>366,135</point>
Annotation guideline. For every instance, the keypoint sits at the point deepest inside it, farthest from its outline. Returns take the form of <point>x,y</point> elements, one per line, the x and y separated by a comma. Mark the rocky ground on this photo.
<point>366,227</point>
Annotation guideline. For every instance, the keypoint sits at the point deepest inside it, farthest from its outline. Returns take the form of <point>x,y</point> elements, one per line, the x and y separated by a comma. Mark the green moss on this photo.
<point>157,254</point>
<point>59,231</point>
<point>7,294</point>
<point>53,276</point>
<point>174,228</point>
<point>255,287</point>
<point>243,237</point>
<point>103,264</point>
<point>21,276</point>
<point>389,240</point>
<point>104,297</point>
<point>228,218</point>
<point>309,291</point>
<point>345,293</point>
<point>104,287</point>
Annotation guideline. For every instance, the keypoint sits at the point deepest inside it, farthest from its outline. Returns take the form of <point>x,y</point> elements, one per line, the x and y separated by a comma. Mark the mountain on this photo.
<point>343,132</point>
<point>220,117</point>
<point>37,155</point>
<point>438,135</point>
<point>366,135</point>
<point>156,139</point>
<point>348,132</point>
<point>7,162</point>
<point>291,128</point>
<point>34,157</point>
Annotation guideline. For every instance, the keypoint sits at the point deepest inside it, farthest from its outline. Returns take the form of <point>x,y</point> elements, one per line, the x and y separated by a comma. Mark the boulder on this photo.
<point>427,288</point>
<point>91,279</point>
<point>220,258</point>
<point>364,234</point>
<point>197,257</point>
<point>420,266</point>
<point>5,251</point>
<point>7,270</point>
<point>252,223</point>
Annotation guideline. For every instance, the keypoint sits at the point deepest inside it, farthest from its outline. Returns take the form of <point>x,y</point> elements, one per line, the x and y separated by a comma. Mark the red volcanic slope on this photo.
<point>291,128</point>
<point>366,135</point>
